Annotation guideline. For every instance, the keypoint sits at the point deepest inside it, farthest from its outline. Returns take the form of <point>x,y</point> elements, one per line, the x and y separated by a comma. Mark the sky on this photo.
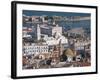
<point>49,13</point>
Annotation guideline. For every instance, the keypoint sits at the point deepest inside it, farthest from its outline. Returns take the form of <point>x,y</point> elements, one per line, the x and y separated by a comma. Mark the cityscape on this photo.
<point>55,39</point>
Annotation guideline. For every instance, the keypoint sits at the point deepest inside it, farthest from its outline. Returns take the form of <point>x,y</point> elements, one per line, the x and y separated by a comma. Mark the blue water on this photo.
<point>50,13</point>
<point>66,25</point>
<point>74,24</point>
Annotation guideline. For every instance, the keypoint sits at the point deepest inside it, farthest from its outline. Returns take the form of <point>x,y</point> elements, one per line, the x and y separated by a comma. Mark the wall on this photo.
<point>5,40</point>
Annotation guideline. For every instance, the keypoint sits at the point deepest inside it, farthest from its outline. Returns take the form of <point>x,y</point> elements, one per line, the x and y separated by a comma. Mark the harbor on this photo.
<point>56,41</point>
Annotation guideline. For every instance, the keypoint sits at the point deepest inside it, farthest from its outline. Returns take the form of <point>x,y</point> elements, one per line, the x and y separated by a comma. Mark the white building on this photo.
<point>76,31</point>
<point>80,45</point>
<point>35,49</point>
<point>49,30</point>
<point>56,29</point>
<point>55,40</point>
<point>25,31</point>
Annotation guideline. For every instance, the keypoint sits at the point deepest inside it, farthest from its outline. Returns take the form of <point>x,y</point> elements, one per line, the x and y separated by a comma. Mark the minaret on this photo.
<point>60,49</point>
<point>38,32</point>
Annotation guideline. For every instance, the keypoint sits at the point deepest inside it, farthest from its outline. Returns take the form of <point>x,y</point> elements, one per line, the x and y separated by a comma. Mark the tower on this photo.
<point>38,32</point>
<point>60,48</point>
